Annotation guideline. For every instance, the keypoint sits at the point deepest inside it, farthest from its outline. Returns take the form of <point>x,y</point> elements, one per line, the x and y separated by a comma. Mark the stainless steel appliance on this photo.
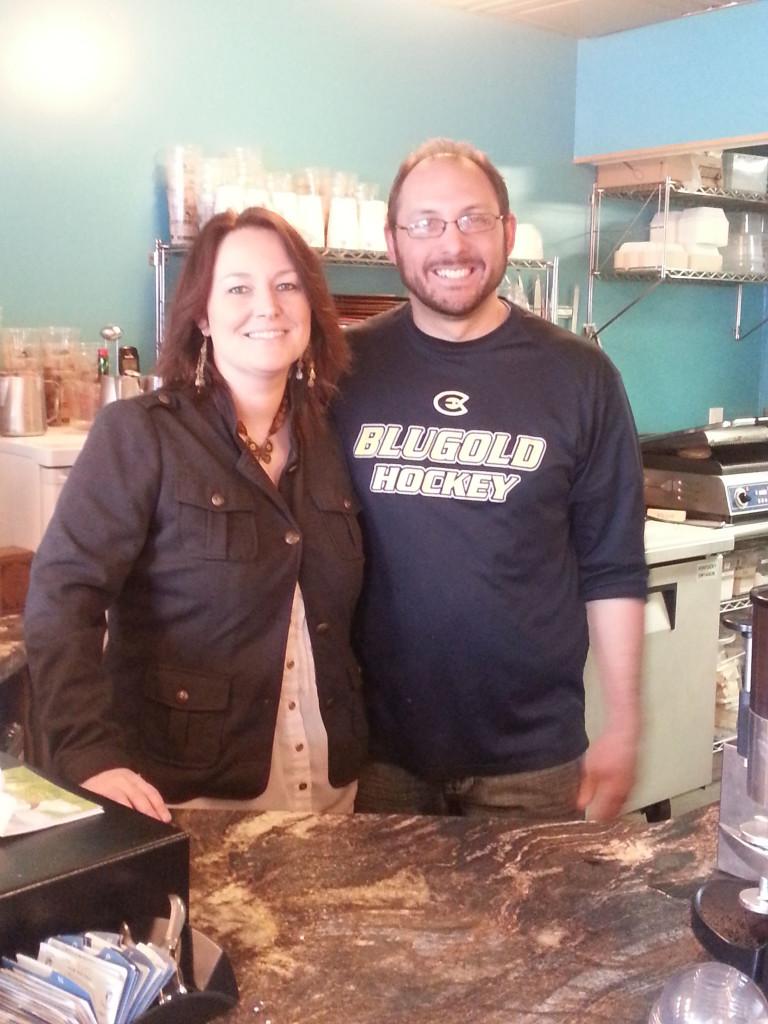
<point>717,476</point>
<point>730,918</point>
<point>717,473</point>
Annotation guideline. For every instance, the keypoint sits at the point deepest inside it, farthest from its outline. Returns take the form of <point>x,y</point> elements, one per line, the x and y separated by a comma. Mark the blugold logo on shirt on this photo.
<point>451,403</point>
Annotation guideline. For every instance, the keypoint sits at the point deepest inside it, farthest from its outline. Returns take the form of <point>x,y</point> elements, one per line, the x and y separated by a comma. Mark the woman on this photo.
<point>215,522</point>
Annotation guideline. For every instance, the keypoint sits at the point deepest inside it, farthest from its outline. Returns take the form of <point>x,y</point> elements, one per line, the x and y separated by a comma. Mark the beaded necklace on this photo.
<point>263,452</point>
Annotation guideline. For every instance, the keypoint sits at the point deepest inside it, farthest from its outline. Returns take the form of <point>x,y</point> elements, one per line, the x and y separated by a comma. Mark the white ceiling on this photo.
<point>582,18</point>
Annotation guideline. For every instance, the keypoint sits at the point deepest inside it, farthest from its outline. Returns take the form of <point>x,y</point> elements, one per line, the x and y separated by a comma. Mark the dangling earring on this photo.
<point>300,368</point>
<point>202,359</point>
<point>312,375</point>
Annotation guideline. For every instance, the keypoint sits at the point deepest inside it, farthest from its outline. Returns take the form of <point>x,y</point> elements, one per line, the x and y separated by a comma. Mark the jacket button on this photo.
<point>292,537</point>
<point>293,467</point>
<point>330,701</point>
<point>163,398</point>
<point>347,504</point>
<point>322,627</point>
<point>217,499</point>
<point>182,696</point>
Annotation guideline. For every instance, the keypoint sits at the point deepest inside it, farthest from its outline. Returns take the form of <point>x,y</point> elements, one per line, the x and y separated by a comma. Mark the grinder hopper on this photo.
<point>730,918</point>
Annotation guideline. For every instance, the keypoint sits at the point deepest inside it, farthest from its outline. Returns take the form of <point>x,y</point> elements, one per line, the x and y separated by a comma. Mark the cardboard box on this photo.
<point>693,170</point>
<point>14,579</point>
<point>90,874</point>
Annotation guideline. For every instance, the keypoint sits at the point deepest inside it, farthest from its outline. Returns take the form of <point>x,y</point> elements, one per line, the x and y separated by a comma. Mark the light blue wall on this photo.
<point>343,83</point>
<point>352,84</point>
<point>681,81</point>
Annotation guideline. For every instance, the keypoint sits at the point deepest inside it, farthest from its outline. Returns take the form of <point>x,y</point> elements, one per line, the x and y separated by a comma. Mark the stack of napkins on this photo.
<point>83,979</point>
<point>28,802</point>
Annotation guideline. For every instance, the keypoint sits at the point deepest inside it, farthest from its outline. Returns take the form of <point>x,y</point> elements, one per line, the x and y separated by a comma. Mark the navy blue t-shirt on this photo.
<point>501,486</point>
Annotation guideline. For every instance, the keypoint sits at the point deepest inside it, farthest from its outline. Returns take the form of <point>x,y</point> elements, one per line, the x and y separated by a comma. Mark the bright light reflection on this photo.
<point>56,64</point>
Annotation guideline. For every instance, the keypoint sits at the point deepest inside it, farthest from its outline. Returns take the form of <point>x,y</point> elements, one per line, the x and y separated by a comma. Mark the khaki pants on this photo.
<point>545,795</point>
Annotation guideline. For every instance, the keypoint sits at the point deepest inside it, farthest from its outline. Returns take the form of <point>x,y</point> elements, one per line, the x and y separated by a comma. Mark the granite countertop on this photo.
<point>12,653</point>
<point>430,920</point>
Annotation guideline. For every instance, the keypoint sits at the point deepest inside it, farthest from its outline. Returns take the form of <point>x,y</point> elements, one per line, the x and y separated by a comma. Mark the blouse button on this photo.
<point>302,786</point>
<point>182,696</point>
<point>217,499</point>
<point>291,705</point>
<point>299,747</point>
<point>292,537</point>
<point>290,663</point>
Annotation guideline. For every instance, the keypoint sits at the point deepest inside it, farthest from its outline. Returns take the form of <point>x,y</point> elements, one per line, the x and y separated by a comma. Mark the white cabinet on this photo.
<point>679,664</point>
<point>32,473</point>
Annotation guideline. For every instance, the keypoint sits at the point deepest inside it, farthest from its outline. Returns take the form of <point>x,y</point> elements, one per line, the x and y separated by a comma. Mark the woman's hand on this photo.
<point>127,787</point>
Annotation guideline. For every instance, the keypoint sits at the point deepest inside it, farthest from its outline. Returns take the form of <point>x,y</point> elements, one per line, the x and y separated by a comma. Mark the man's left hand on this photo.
<point>607,775</point>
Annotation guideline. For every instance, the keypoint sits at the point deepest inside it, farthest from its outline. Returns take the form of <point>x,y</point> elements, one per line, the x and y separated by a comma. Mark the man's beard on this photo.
<point>444,304</point>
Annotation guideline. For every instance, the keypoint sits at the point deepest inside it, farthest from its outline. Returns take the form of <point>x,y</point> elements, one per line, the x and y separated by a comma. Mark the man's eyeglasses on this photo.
<point>468,224</point>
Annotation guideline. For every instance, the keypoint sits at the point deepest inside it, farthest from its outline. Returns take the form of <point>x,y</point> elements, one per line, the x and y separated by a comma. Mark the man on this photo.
<point>496,459</point>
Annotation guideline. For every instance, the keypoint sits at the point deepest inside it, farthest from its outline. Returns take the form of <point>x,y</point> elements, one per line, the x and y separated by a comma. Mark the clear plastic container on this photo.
<point>710,993</point>
<point>745,569</point>
<point>730,668</point>
<point>745,172</point>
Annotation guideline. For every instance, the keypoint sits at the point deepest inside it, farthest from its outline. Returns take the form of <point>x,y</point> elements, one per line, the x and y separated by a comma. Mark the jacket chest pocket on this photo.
<point>216,522</point>
<point>338,514</point>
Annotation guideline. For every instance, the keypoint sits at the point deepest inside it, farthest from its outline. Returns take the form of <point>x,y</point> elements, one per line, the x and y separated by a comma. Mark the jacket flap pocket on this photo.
<point>187,690</point>
<point>209,495</point>
<point>328,500</point>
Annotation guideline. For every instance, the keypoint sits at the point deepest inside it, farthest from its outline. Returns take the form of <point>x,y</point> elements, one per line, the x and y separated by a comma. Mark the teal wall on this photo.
<point>677,353</point>
<point>352,84</point>
<point>342,83</point>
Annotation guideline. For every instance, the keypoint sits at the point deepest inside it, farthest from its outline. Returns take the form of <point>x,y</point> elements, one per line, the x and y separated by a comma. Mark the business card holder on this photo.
<point>209,978</point>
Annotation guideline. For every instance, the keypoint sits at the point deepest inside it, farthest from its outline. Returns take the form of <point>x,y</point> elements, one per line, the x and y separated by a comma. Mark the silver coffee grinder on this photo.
<point>730,911</point>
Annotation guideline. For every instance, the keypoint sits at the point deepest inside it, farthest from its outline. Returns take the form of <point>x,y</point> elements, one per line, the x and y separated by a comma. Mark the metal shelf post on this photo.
<point>669,194</point>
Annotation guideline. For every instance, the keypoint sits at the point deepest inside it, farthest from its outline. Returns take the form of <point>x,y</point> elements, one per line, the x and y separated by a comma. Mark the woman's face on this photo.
<point>258,315</point>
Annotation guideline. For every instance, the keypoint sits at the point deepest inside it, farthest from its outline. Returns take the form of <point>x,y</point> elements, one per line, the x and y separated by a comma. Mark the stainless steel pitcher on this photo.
<point>22,404</point>
<point>125,386</point>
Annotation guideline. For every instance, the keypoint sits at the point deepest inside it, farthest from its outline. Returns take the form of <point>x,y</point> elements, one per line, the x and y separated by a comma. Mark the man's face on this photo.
<point>454,275</point>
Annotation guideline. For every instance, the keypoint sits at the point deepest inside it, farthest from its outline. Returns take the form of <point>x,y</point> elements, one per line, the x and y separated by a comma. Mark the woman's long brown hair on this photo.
<point>328,348</point>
